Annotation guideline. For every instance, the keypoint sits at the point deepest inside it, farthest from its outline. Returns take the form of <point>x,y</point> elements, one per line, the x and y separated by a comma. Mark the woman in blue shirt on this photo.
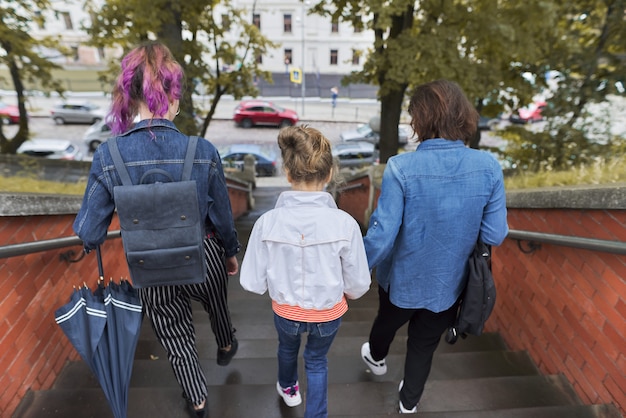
<point>434,204</point>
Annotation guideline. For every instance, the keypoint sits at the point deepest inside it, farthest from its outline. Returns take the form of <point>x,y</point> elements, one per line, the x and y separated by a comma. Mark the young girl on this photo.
<point>310,256</point>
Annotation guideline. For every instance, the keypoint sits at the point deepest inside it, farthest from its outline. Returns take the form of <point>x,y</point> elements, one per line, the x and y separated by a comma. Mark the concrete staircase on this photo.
<point>476,377</point>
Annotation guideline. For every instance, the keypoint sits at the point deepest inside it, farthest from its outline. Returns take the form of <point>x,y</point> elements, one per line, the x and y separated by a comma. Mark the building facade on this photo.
<point>312,43</point>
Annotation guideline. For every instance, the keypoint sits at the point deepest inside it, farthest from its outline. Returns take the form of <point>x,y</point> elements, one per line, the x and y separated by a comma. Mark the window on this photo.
<point>287,23</point>
<point>259,59</point>
<point>355,57</point>
<point>288,57</point>
<point>226,22</point>
<point>358,28</point>
<point>68,20</point>
<point>334,26</point>
<point>256,20</point>
<point>333,56</point>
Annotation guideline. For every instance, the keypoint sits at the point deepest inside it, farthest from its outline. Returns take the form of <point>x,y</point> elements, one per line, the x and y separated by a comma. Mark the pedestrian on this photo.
<point>434,204</point>
<point>310,256</point>
<point>149,87</point>
<point>334,93</point>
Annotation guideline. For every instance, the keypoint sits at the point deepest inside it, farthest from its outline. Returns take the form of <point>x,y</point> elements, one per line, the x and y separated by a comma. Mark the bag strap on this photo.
<point>191,153</point>
<point>123,172</point>
<point>118,162</point>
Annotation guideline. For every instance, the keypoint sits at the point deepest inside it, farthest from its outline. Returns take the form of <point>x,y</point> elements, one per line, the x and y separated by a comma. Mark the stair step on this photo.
<point>356,399</point>
<point>258,371</point>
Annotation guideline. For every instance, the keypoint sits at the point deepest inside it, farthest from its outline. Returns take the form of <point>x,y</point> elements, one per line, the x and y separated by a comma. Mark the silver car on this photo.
<point>83,112</point>
<point>366,133</point>
<point>355,154</point>
<point>54,149</point>
<point>96,134</point>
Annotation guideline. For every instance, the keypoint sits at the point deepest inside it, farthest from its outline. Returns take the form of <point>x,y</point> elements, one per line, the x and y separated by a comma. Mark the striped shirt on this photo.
<point>298,314</point>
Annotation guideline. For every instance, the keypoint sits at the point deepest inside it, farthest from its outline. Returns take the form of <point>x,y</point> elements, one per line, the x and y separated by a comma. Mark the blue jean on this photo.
<point>319,340</point>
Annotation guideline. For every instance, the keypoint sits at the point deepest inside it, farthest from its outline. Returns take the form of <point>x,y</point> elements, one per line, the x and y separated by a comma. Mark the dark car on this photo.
<point>9,114</point>
<point>355,154</point>
<point>249,113</point>
<point>233,156</point>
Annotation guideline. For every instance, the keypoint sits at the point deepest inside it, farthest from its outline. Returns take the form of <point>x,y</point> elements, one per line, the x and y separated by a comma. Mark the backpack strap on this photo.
<point>118,162</point>
<point>123,172</point>
<point>191,153</point>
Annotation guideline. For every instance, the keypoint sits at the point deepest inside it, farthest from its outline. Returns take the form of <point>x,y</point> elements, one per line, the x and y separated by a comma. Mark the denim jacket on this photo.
<point>156,144</point>
<point>434,204</point>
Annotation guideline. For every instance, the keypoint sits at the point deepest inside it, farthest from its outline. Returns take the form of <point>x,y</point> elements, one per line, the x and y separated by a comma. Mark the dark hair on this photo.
<point>440,109</point>
<point>306,154</point>
<point>150,74</point>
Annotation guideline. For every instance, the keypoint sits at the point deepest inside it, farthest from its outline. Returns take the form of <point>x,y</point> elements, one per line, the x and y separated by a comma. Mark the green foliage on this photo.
<point>216,62</point>
<point>499,52</point>
<point>21,54</point>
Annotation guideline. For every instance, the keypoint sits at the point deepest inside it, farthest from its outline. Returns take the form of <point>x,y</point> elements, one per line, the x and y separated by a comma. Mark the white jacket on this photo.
<point>307,252</point>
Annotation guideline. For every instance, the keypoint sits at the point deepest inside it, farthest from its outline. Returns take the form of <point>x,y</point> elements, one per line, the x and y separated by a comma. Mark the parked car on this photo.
<point>83,112</point>
<point>355,154</point>
<point>249,113</point>
<point>55,149</point>
<point>529,114</point>
<point>233,156</point>
<point>365,133</point>
<point>486,124</point>
<point>96,134</point>
<point>9,114</point>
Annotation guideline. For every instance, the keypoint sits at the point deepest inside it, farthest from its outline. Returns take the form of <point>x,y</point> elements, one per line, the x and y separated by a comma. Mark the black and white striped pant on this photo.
<point>169,310</point>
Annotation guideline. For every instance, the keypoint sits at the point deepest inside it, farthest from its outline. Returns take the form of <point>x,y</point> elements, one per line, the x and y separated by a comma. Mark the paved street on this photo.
<point>222,132</point>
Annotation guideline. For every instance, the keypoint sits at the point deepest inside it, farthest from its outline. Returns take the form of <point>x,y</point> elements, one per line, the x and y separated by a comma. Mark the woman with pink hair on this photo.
<point>149,88</point>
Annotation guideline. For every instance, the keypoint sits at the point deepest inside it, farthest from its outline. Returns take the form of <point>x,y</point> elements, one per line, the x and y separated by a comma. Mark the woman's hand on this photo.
<point>232,265</point>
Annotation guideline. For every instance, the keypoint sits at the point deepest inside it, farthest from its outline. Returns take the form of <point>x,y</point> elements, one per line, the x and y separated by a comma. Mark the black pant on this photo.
<point>425,331</point>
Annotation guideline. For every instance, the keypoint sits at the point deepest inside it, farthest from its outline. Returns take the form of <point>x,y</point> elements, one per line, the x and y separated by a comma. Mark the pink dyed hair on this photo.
<point>149,74</point>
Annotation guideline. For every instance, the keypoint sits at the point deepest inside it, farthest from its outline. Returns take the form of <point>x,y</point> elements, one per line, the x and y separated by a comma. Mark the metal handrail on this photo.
<point>615,247</point>
<point>13,250</point>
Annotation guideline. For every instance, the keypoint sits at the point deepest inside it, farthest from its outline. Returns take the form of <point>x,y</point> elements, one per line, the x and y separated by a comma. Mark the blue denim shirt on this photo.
<point>434,204</point>
<point>156,144</point>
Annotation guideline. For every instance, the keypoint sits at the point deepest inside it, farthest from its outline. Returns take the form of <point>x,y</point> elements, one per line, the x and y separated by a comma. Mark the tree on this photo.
<point>498,51</point>
<point>198,39</point>
<point>20,53</point>
<point>587,57</point>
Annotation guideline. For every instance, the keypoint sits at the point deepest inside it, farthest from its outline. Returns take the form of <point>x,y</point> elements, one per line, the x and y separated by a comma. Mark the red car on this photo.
<point>249,113</point>
<point>530,114</point>
<point>9,113</point>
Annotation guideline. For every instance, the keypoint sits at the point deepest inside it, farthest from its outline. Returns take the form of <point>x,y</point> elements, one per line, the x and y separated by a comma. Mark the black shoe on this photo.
<point>224,357</point>
<point>196,413</point>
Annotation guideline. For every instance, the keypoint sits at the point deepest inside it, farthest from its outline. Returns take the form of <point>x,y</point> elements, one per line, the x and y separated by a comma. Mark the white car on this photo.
<point>54,149</point>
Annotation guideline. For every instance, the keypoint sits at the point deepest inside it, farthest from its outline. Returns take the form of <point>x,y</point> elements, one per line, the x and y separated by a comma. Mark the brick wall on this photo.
<point>33,349</point>
<point>566,306</point>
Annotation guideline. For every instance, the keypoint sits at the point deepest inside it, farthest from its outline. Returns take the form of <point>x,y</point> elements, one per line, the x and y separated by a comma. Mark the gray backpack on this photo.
<point>162,232</point>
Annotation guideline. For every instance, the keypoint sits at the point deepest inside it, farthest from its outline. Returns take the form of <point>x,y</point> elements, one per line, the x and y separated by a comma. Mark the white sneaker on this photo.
<point>403,410</point>
<point>291,395</point>
<point>377,367</point>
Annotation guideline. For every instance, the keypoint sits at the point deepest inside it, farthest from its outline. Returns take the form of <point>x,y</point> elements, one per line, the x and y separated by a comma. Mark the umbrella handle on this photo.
<point>100,269</point>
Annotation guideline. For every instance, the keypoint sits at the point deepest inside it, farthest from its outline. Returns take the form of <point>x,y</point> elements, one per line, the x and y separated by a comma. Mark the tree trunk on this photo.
<point>10,146</point>
<point>171,34</point>
<point>390,110</point>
